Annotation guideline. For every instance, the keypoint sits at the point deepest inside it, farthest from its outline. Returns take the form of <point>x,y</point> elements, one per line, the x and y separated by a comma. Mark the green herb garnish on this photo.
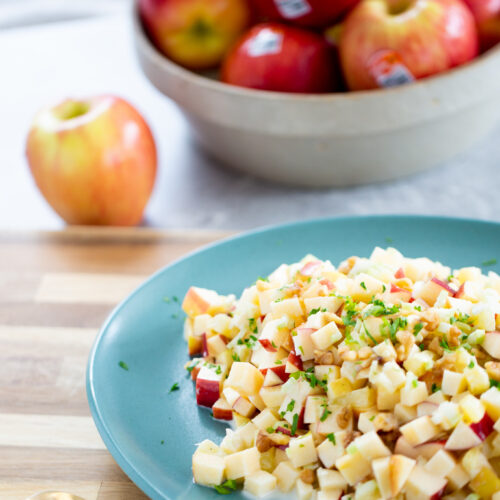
<point>123,365</point>
<point>175,387</point>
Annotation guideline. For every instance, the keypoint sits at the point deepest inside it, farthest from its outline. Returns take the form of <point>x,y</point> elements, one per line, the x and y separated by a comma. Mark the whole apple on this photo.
<point>421,37</point>
<point>195,33</point>
<point>94,160</point>
<point>487,15</point>
<point>277,57</point>
<point>307,13</point>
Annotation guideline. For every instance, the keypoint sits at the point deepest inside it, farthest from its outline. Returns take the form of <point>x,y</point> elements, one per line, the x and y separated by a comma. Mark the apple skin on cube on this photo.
<point>244,407</point>
<point>221,410</point>
<point>245,378</point>
<point>484,427</point>
<point>208,384</point>
<point>491,401</point>
<point>200,301</point>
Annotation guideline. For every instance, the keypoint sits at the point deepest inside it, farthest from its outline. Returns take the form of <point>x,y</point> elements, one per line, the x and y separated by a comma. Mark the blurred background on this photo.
<point>51,49</point>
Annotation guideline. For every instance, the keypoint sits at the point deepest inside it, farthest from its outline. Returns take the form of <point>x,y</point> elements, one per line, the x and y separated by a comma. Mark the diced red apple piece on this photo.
<point>221,410</point>
<point>431,289</point>
<point>309,268</point>
<point>399,274</point>
<point>244,407</point>
<point>460,292</point>
<point>491,344</point>
<point>279,370</point>
<point>462,438</point>
<point>204,345</point>
<point>215,345</point>
<point>294,363</point>
<point>267,345</point>
<point>400,293</point>
<point>484,427</point>
<point>200,301</point>
<point>271,379</point>
<point>207,387</point>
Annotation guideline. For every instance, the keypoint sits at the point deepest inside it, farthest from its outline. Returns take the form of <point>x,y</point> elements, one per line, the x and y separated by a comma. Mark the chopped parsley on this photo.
<point>417,328</point>
<point>301,349</point>
<point>414,383</point>
<point>490,262</point>
<point>444,344</point>
<point>315,311</point>
<point>123,365</point>
<point>235,357</point>
<point>418,308</point>
<point>295,423</point>
<point>218,370</point>
<point>331,438</point>
<point>291,405</point>
<point>174,315</point>
<point>270,430</point>
<point>162,441</point>
<point>368,334</point>
<point>435,388</point>
<point>372,418</point>
<point>310,377</point>
<point>378,309</point>
<point>494,383</point>
<point>325,413</point>
<point>175,387</point>
<point>362,285</point>
<point>226,487</point>
<point>389,240</point>
<point>471,365</point>
<point>278,362</point>
<point>175,298</point>
<point>421,346</point>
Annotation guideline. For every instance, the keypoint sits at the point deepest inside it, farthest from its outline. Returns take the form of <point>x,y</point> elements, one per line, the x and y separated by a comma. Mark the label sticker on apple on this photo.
<point>388,69</point>
<point>265,43</point>
<point>292,9</point>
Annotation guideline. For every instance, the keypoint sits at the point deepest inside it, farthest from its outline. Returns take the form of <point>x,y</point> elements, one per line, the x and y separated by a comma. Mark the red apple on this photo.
<point>295,361</point>
<point>279,370</point>
<point>207,387</point>
<point>221,410</point>
<point>195,33</point>
<point>94,160</point>
<point>280,58</point>
<point>487,15</point>
<point>267,345</point>
<point>309,13</point>
<point>389,42</point>
<point>484,427</point>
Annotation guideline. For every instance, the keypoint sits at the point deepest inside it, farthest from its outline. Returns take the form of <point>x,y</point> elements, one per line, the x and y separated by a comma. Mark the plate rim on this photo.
<point>136,476</point>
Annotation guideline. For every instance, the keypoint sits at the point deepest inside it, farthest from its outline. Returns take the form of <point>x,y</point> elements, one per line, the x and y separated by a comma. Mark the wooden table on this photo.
<point>55,291</point>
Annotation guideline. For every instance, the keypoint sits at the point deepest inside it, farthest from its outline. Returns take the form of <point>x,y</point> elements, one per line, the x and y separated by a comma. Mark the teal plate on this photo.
<point>152,432</point>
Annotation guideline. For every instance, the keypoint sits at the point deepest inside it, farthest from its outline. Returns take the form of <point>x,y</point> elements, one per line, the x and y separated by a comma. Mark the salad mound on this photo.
<point>377,379</point>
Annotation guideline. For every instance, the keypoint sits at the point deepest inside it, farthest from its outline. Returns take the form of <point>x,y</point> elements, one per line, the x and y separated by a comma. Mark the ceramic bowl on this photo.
<point>332,139</point>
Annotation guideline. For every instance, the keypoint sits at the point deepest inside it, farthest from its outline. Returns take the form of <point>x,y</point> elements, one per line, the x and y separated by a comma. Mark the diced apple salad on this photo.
<point>377,379</point>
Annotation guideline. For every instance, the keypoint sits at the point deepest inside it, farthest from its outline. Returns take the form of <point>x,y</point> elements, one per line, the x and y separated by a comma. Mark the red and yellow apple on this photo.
<point>276,57</point>
<point>422,37</point>
<point>487,15</point>
<point>94,160</point>
<point>309,13</point>
<point>195,33</point>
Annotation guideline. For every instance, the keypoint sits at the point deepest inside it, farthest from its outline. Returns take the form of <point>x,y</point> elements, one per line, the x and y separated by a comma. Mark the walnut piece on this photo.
<point>344,417</point>
<point>308,476</point>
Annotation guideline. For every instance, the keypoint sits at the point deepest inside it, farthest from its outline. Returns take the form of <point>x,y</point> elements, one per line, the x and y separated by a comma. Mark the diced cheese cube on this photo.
<point>302,451</point>
<point>243,463</point>
<point>260,483</point>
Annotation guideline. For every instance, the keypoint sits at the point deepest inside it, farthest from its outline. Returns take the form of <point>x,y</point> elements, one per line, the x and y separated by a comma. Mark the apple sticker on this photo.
<point>266,42</point>
<point>388,69</point>
<point>292,9</point>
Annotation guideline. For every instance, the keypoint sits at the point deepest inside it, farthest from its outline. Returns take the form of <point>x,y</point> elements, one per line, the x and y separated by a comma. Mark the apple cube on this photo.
<point>387,398</point>
<point>208,384</point>
<point>208,469</point>
<point>330,450</point>
<point>290,307</point>
<point>453,383</point>
<point>413,392</point>
<point>203,301</point>
<point>472,408</point>
<point>326,336</point>
<point>274,332</point>
<point>247,433</point>
<point>216,345</point>
<point>271,379</point>
<point>232,442</point>
<point>458,477</point>
<point>367,491</point>
<point>386,351</point>
<point>338,388</point>
<point>462,438</point>
<point>313,409</point>
<point>361,399</point>
<point>491,344</point>
<point>422,485</point>
<point>491,401</point>
<point>474,461</point>
<point>371,446</point>
<point>420,430</point>
<point>329,495</point>
<point>302,451</point>
<point>485,483</point>
<point>303,344</point>
<point>404,413</point>
<point>477,379</point>
<point>272,396</point>
<point>419,362</point>
<point>245,378</point>
<point>195,345</point>
<point>260,483</point>
<point>221,410</point>
<point>366,421</point>
<point>330,479</point>
<point>484,318</point>
<point>426,408</point>
<point>286,476</point>
<point>201,324</point>
<point>244,407</point>
<point>304,490</point>
<point>242,463</point>
<point>265,419</point>
<point>430,291</point>
<point>331,304</point>
<point>441,464</point>
<point>353,466</point>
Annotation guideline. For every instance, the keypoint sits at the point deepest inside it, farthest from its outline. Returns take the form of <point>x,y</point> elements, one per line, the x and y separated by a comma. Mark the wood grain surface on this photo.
<point>55,291</point>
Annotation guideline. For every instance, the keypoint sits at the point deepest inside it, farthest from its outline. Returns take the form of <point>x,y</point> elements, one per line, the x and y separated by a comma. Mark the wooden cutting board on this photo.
<point>56,289</point>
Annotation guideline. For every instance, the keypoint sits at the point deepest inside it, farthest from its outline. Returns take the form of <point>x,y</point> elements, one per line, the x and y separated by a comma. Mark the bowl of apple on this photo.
<point>326,93</point>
